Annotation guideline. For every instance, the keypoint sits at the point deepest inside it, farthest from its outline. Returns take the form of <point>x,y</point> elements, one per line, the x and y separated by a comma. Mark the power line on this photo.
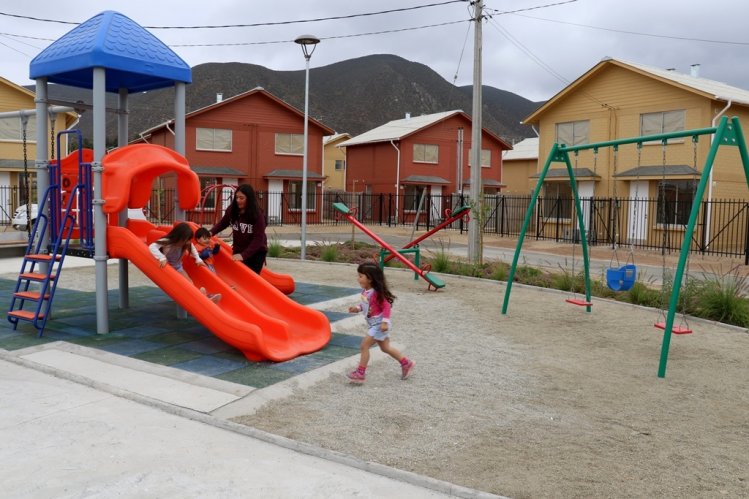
<point>637,33</point>
<point>253,25</point>
<point>499,13</point>
<point>236,44</point>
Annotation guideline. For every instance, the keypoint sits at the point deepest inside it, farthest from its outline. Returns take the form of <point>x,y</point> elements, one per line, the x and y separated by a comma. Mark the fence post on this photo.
<point>703,235</point>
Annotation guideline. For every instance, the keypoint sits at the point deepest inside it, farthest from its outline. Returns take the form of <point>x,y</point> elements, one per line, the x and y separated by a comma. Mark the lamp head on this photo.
<point>307,41</point>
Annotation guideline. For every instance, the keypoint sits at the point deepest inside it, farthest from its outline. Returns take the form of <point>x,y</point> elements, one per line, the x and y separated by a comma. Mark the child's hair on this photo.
<point>202,232</point>
<point>377,277</point>
<point>181,234</point>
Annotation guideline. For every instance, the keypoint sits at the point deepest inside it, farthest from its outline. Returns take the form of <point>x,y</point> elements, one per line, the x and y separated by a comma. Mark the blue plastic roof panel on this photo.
<point>133,58</point>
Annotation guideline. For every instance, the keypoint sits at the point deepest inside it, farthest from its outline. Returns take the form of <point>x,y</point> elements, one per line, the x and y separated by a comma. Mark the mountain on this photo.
<point>351,96</point>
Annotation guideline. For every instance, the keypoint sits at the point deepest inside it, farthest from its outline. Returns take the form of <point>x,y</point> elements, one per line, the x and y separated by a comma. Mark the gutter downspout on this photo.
<point>397,180</point>
<point>710,180</point>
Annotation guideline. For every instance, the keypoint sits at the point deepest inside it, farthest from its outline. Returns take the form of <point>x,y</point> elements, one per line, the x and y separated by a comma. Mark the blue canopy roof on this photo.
<point>133,58</point>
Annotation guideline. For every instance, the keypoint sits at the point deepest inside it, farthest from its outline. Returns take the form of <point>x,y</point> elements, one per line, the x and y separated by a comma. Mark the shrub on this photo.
<point>274,247</point>
<point>329,253</point>
<point>721,299</point>
<point>501,272</point>
<point>441,261</point>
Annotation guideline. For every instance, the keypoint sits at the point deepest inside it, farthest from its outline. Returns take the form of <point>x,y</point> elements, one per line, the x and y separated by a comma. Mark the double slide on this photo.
<point>253,315</point>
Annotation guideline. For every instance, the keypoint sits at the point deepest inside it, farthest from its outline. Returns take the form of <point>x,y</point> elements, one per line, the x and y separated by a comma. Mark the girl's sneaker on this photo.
<point>356,377</point>
<point>215,298</point>
<point>406,370</point>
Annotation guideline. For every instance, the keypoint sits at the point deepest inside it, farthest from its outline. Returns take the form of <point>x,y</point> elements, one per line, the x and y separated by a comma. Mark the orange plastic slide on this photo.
<point>252,314</point>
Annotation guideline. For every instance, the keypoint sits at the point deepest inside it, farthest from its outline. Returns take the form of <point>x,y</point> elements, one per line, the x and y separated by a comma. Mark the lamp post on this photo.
<point>306,41</point>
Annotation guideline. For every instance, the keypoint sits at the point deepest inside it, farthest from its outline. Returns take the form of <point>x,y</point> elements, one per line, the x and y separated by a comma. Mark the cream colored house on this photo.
<point>519,164</point>
<point>334,161</point>
<point>12,147</point>
<point>617,99</point>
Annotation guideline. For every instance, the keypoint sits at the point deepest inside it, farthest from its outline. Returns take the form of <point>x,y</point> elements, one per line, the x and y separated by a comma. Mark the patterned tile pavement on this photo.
<point>150,330</point>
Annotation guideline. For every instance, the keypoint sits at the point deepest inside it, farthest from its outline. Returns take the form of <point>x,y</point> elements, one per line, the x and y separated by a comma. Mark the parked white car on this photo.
<point>20,217</point>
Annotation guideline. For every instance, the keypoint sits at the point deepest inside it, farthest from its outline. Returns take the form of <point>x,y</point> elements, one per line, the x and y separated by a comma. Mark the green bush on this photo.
<point>274,247</point>
<point>722,299</point>
<point>441,261</point>
<point>501,272</point>
<point>329,253</point>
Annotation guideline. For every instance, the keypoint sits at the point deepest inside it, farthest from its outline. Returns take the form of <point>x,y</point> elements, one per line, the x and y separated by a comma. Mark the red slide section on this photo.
<point>252,314</point>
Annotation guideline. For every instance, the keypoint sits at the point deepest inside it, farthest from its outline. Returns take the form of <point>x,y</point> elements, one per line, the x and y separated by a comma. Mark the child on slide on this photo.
<point>171,249</point>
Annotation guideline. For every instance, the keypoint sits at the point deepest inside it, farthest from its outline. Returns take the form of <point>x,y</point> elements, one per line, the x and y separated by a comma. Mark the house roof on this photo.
<point>334,138</point>
<point>525,149</point>
<point>256,90</point>
<point>400,129</point>
<point>134,58</point>
<point>557,173</point>
<point>487,182</point>
<point>218,171</point>
<point>710,89</point>
<point>659,171</point>
<point>424,179</point>
<point>293,174</point>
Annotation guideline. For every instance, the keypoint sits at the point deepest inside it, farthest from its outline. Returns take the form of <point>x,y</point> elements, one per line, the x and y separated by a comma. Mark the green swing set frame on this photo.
<point>726,133</point>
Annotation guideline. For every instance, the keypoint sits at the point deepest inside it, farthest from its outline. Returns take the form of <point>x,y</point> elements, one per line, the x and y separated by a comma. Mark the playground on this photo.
<point>547,401</point>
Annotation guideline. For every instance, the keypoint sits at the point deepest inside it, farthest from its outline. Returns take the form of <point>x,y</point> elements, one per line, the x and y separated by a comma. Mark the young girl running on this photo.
<point>376,301</point>
<point>171,248</point>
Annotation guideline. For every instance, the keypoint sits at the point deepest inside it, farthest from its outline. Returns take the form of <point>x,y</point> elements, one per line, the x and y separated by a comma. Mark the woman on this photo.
<point>247,220</point>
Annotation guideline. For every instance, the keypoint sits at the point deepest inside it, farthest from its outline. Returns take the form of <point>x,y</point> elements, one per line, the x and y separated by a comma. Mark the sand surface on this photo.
<point>546,401</point>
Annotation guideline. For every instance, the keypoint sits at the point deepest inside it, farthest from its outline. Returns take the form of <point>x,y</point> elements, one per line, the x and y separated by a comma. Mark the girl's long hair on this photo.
<point>377,277</point>
<point>251,209</point>
<point>180,235</point>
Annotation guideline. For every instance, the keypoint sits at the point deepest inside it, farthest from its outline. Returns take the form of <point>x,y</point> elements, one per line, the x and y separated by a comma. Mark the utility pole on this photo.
<point>475,243</point>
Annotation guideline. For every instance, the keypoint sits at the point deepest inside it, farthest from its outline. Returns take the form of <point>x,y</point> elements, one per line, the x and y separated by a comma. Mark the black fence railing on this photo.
<point>722,225</point>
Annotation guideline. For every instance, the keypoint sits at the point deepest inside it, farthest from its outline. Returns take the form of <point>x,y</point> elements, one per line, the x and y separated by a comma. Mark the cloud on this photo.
<point>533,53</point>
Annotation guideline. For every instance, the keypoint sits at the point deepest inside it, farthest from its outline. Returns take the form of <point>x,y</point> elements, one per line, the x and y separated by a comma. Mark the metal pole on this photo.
<point>303,254</point>
<point>124,281</point>
<point>100,220</point>
<point>475,249</point>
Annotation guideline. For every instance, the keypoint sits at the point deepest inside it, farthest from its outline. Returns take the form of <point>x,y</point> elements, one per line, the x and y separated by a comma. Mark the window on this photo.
<point>412,196</point>
<point>295,195</point>
<point>208,194</point>
<point>665,122</point>
<point>12,129</point>
<point>675,198</point>
<point>573,133</point>
<point>212,139</point>
<point>290,143</point>
<point>340,164</point>
<point>558,200</point>
<point>426,153</point>
<point>486,158</point>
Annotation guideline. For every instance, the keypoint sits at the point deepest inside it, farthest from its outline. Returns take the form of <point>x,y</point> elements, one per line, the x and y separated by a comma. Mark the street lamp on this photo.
<point>306,41</point>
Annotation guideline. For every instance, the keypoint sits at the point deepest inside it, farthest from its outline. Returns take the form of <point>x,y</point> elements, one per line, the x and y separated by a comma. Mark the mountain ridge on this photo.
<point>350,96</point>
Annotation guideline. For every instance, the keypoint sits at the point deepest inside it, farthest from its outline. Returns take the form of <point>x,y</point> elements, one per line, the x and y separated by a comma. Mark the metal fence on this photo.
<point>722,225</point>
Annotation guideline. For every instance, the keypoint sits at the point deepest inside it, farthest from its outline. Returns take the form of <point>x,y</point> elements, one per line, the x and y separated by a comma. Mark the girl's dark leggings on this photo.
<point>256,261</point>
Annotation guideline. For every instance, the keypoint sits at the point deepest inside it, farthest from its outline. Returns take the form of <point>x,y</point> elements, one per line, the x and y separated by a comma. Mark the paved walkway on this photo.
<point>77,421</point>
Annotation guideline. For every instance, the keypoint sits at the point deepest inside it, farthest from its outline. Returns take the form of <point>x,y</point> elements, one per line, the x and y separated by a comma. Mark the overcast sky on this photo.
<point>534,53</point>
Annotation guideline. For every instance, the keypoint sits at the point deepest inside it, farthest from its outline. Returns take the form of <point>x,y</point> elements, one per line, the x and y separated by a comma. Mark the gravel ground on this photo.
<point>546,401</point>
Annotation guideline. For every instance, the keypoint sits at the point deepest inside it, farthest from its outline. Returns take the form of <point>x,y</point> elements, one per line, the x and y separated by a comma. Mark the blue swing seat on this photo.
<point>622,278</point>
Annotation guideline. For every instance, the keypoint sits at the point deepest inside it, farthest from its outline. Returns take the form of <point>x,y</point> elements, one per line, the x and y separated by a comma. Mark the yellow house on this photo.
<point>13,148</point>
<point>518,166</point>
<point>334,161</point>
<point>617,99</point>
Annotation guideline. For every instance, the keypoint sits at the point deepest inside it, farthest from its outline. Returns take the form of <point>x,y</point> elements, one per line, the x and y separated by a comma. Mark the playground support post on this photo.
<point>725,134</point>
<point>556,153</point>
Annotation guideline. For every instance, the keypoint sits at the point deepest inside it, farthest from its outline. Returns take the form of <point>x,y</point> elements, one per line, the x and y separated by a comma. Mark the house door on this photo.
<point>585,192</point>
<point>435,203</point>
<point>275,196</point>
<point>638,211</point>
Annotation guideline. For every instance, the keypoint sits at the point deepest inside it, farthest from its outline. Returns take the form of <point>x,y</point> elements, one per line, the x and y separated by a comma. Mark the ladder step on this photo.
<point>30,295</point>
<point>35,276</point>
<point>26,315</point>
<point>43,257</point>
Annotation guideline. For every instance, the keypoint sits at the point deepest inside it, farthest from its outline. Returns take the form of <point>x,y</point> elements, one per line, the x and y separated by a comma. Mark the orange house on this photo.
<point>423,154</point>
<point>254,138</point>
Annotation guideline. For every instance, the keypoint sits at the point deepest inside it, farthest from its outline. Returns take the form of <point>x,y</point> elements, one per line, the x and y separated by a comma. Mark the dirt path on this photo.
<point>547,401</point>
